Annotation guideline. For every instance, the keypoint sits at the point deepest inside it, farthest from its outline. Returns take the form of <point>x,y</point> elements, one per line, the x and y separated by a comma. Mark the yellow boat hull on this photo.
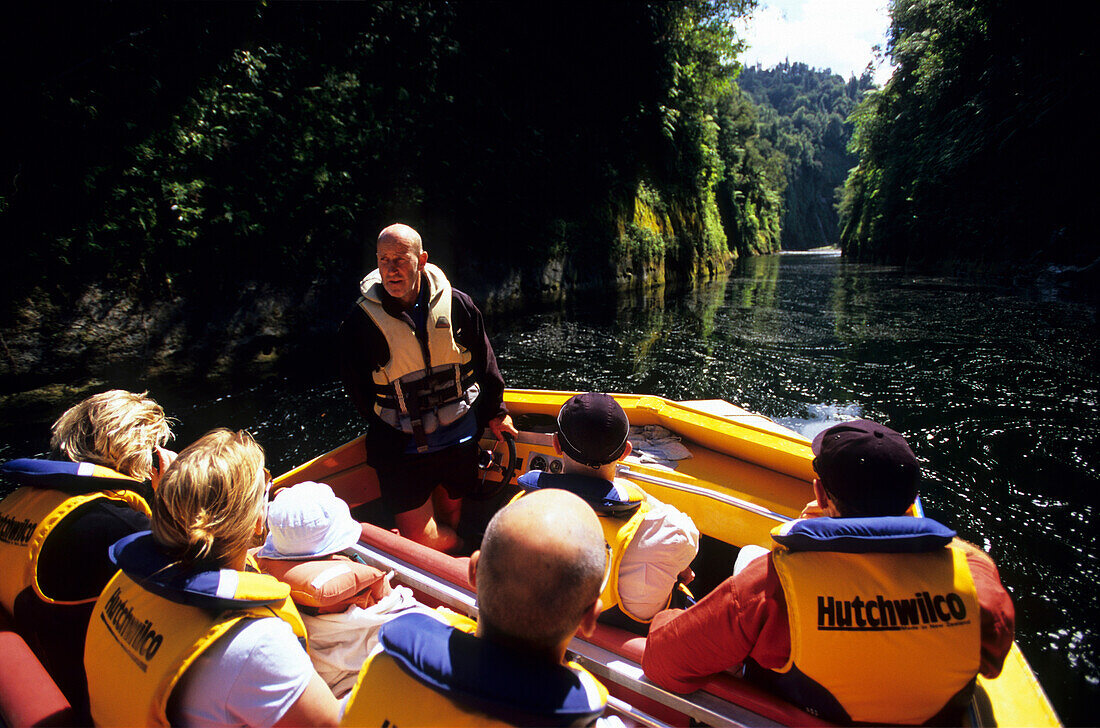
<point>745,474</point>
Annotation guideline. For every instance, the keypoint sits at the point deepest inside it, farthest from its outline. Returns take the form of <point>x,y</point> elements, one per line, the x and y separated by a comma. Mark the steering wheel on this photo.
<point>486,463</point>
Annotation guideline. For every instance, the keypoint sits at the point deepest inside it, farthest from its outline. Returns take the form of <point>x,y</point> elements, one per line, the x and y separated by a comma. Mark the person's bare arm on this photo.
<point>501,424</point>
<point>314,707</point>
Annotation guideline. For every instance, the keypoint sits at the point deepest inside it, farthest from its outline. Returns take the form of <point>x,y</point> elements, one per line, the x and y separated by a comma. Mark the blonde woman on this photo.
<point>55,528</point>
<point>185,633</point>
<point>121,430</point>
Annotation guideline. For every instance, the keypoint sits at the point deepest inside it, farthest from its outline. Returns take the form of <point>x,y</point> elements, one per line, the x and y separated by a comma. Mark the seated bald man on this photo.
<point>538,576</point>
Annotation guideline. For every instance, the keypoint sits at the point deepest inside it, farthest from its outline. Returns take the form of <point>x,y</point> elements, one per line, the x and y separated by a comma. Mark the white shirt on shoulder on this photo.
<point>665,544</point>
<point>251,676</point>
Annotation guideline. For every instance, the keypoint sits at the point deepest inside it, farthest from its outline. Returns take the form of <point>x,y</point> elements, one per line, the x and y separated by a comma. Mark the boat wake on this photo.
<point>819,417</point>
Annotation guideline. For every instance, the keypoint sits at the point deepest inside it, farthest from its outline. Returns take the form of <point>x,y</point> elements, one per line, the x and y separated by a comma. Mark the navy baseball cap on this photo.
<point>592,429</point>
<point>869,468</point>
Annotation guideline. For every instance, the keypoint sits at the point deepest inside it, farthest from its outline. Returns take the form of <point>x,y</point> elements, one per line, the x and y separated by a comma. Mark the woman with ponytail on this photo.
<point>187,633</point>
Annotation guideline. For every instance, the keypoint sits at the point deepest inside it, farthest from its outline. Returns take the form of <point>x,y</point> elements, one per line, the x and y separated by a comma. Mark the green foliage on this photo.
<point>698,48</point>
<point>713,159</point>
<point>749,196</point>
<point>973,150</point>
<point>191,146</point>
<point>803,112</point>
<point>642,238</point>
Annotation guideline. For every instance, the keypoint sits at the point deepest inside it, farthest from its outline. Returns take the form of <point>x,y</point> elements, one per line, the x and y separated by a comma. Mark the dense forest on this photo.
<point>804,114</point>
<point>189,186</point>
<point>175,161</point>
<point>160,137</point>
<point>977,149</point>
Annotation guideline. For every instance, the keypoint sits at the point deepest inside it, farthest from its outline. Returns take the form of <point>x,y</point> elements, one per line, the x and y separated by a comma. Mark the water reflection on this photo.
<point>756,290</point>
<point>996,389</point>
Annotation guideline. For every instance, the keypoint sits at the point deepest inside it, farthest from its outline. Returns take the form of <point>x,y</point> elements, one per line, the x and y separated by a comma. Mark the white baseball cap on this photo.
<point>306,521</point>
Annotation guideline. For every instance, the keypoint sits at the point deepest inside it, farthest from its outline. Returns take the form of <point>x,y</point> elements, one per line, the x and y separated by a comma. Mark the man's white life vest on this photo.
<point>425,384</point>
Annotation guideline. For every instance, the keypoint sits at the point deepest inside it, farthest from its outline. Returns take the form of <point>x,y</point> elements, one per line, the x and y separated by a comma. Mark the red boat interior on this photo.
<point>28,696</point>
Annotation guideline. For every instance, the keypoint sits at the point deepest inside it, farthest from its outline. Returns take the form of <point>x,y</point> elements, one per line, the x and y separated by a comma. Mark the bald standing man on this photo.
<point>538,575</point>
<point>417,363</point>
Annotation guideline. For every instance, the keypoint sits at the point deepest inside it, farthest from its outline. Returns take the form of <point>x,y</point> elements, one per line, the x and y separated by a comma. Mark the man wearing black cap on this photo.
<point>859,613</point>
<point>652,543</point>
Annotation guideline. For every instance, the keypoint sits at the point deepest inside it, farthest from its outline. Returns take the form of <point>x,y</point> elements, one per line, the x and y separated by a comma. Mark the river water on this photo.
<point>995,383</point>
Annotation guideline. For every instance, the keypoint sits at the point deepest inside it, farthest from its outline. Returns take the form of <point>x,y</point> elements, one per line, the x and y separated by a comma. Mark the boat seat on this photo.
<point>28,695</point>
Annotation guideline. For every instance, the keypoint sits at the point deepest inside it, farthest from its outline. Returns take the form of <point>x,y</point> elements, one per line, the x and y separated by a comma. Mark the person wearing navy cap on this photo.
<point>860,613</point>
<point>652,544</point>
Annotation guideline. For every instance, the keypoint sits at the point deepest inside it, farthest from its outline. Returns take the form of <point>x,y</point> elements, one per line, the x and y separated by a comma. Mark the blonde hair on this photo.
<point>118,429</point>
<point>211,498</point>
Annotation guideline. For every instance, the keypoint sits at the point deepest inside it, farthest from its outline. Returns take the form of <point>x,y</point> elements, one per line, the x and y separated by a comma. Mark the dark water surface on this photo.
<point>996,387</point>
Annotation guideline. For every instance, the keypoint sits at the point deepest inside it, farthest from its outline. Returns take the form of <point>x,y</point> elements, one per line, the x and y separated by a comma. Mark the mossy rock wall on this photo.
<point>659,240</point>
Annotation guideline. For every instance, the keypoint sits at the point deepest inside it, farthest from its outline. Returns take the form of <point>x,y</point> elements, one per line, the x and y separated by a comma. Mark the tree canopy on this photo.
<point>804,114</point>
<point>976,148</point>
<point>180,146</point>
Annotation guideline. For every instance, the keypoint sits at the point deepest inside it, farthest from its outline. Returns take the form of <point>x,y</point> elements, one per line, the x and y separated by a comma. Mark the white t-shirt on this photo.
<point>251,676</point>
<point>666,542</point>
<point>340,643</point>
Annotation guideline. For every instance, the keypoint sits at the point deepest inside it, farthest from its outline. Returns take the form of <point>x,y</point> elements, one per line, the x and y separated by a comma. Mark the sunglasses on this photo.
<point>607,566</point>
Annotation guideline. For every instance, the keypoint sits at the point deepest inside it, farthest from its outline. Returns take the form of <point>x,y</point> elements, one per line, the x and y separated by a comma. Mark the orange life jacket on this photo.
<point>329,584</point>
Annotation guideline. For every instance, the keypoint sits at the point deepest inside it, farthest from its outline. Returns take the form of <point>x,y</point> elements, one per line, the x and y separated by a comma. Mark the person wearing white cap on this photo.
<point>343,601</point>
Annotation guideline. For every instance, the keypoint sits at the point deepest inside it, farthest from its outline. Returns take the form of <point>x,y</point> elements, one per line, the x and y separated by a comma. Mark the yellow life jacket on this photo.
<point>885,621</point>
<point>155,618</point>
<point>620,506</point>
<point>51,490</point>
<point>432,671</point>
<point>420,388</point>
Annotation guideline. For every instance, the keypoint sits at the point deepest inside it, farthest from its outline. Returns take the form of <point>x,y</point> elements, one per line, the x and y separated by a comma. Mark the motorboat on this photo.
<point>736,473</point>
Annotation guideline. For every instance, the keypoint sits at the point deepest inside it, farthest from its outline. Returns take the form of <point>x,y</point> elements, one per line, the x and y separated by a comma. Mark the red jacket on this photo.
<point>746,617</point>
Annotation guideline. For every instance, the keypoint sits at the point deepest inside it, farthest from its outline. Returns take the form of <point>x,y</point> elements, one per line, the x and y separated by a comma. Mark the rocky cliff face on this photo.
<point>115,330</point>
<point>107,330</point>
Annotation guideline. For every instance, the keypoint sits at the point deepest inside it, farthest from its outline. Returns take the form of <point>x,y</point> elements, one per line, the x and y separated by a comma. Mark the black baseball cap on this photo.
<point>869,468</point>
<point>592,429</point>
